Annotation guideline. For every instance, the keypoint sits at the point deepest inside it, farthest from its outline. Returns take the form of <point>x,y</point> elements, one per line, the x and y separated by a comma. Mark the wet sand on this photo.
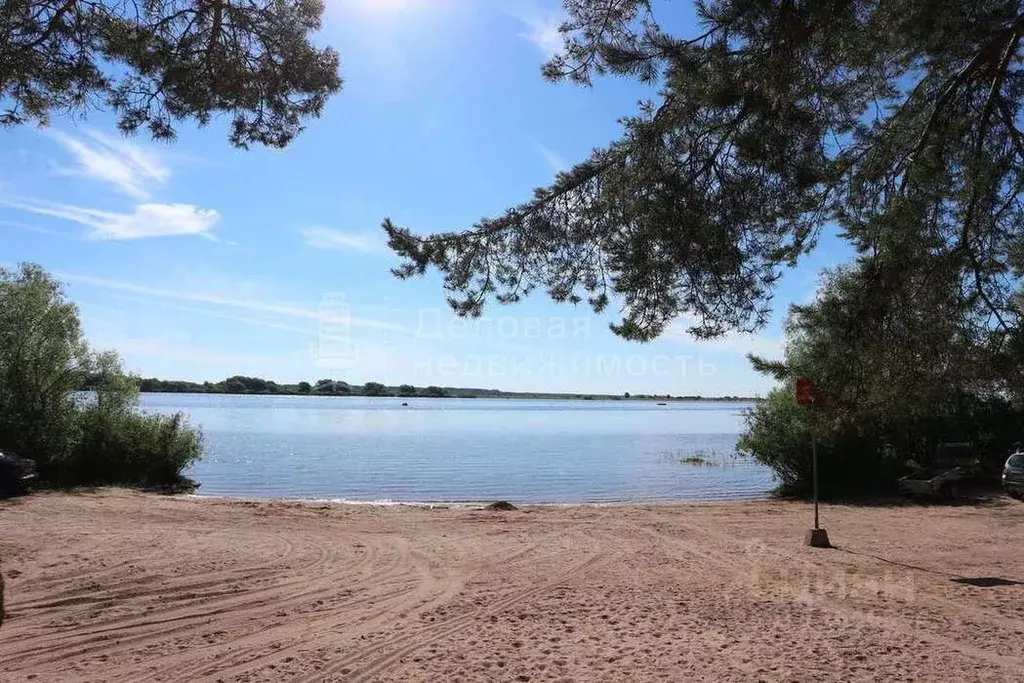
<point>122,586</point>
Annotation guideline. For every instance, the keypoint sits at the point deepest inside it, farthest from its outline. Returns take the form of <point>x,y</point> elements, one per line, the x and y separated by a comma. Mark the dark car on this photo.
<point>16,475</point>
<point>1013,475</point>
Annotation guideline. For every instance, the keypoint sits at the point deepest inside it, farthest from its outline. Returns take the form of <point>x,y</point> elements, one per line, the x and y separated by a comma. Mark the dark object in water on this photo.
<point>405,404</point>
<point>662,404</point>
<point>502,506</point>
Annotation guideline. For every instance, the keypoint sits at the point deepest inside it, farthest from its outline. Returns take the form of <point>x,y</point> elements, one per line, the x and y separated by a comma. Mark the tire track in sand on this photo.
<point>91,641</point>
<point>889,622</point>
<point>420,638</point>
<point>257,651</point>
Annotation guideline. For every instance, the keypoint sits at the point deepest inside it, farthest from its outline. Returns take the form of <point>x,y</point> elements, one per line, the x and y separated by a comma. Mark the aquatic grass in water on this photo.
<point>705,458</point>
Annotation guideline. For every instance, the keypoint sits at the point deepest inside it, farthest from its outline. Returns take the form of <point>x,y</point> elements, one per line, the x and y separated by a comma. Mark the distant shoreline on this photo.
<point>240,385</point>
<point>500,394</point>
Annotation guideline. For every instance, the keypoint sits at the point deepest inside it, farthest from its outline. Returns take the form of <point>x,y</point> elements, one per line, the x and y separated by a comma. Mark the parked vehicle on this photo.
<point>16,475</point>
<point>954,467</point>
<point>1013,475</point>
<point>936,481</point>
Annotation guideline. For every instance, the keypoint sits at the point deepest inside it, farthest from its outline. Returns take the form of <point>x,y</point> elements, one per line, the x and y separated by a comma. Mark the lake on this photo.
<point>472,450</point>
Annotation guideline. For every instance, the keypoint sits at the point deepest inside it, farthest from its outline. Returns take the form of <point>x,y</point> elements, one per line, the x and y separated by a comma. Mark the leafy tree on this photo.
<point>43,361</point>
<point>407,390</point>
<point>118,445</point>
<point>897,121</point>
<point>435,392</point>
<point>897,370</point>
<point>158,62</point>
<point>327,386</point>
<point>374,389</point>
<point>248,385</point>
<point>304,387</point>
<point>625,395</point>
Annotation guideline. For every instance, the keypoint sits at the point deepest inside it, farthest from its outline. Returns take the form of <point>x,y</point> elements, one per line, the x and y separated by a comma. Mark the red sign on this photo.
<point>804,392</point>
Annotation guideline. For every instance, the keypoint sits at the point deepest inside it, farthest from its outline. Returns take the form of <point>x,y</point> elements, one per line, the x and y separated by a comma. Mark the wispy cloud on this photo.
<point>281,309</point>
<point>555,160</point>
<point>147,220</point>
<point>735,343</point>
<point>34,228</point>
<point>541,29</point>
<point>177,347</point>
<point>330,238</point>
<point>247,320</point>
<point>130,168</point>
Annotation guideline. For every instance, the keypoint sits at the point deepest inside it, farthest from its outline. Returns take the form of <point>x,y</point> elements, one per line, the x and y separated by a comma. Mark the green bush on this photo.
<point>98,437</point>
<point>866,457</point>
<point>132,448</point>
<point>779,434</point>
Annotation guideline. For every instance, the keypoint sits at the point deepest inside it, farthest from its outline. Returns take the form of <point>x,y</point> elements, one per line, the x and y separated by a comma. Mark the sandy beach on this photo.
<point>123,586</point>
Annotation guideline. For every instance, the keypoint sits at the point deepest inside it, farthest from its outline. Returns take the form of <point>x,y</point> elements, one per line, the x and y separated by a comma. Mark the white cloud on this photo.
<point>282,309</point>
<point>541,29</point>
<point>256,322</point>
<point>555,160</point>
<point>130,168</point>
<point>34,228</point>
<point>329,238</point>
<point>147,220</point>
<point>142,352</point>
<point>734,342</point>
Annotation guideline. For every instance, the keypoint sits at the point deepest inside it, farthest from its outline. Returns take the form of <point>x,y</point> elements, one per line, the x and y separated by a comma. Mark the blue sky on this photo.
<point>198,261</point>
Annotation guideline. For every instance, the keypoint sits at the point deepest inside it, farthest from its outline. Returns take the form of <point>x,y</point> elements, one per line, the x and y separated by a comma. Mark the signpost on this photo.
<point>816,537</point>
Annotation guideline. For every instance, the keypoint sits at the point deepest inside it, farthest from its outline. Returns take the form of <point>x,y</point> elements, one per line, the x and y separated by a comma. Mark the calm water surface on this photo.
<point>531,451</point>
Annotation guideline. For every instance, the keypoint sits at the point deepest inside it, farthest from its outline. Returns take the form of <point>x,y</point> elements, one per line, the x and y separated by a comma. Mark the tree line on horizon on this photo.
<point>240,384</point>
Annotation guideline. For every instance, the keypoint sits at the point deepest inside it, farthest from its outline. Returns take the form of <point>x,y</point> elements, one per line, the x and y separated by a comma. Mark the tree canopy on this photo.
<point>100,439</point>
<point>897,121</point>
<point>158,62</point>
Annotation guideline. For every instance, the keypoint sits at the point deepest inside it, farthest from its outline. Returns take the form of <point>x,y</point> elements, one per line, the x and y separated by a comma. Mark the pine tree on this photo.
<point>898,121</point>
<point>157,62</point>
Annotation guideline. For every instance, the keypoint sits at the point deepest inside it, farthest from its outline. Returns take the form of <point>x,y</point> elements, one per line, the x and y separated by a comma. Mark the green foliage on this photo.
<point>158,62</point>
<point>895,120</point>
<point>867,458</point>
<point>43,359</point>
<point>898,367</point>
<point>101,439</point>
<point>120,445</point>
<point>328,387</point>
<point>249,385</point>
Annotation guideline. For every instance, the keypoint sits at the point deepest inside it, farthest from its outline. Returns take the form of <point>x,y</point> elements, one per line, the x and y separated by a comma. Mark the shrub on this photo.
<point>96,438</point>
<point>864,457</point>
<point>131,448</point>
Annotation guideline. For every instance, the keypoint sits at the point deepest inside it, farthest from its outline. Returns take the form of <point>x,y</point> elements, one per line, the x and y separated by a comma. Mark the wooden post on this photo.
<point>805,396</point>
<point>814,457</point>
